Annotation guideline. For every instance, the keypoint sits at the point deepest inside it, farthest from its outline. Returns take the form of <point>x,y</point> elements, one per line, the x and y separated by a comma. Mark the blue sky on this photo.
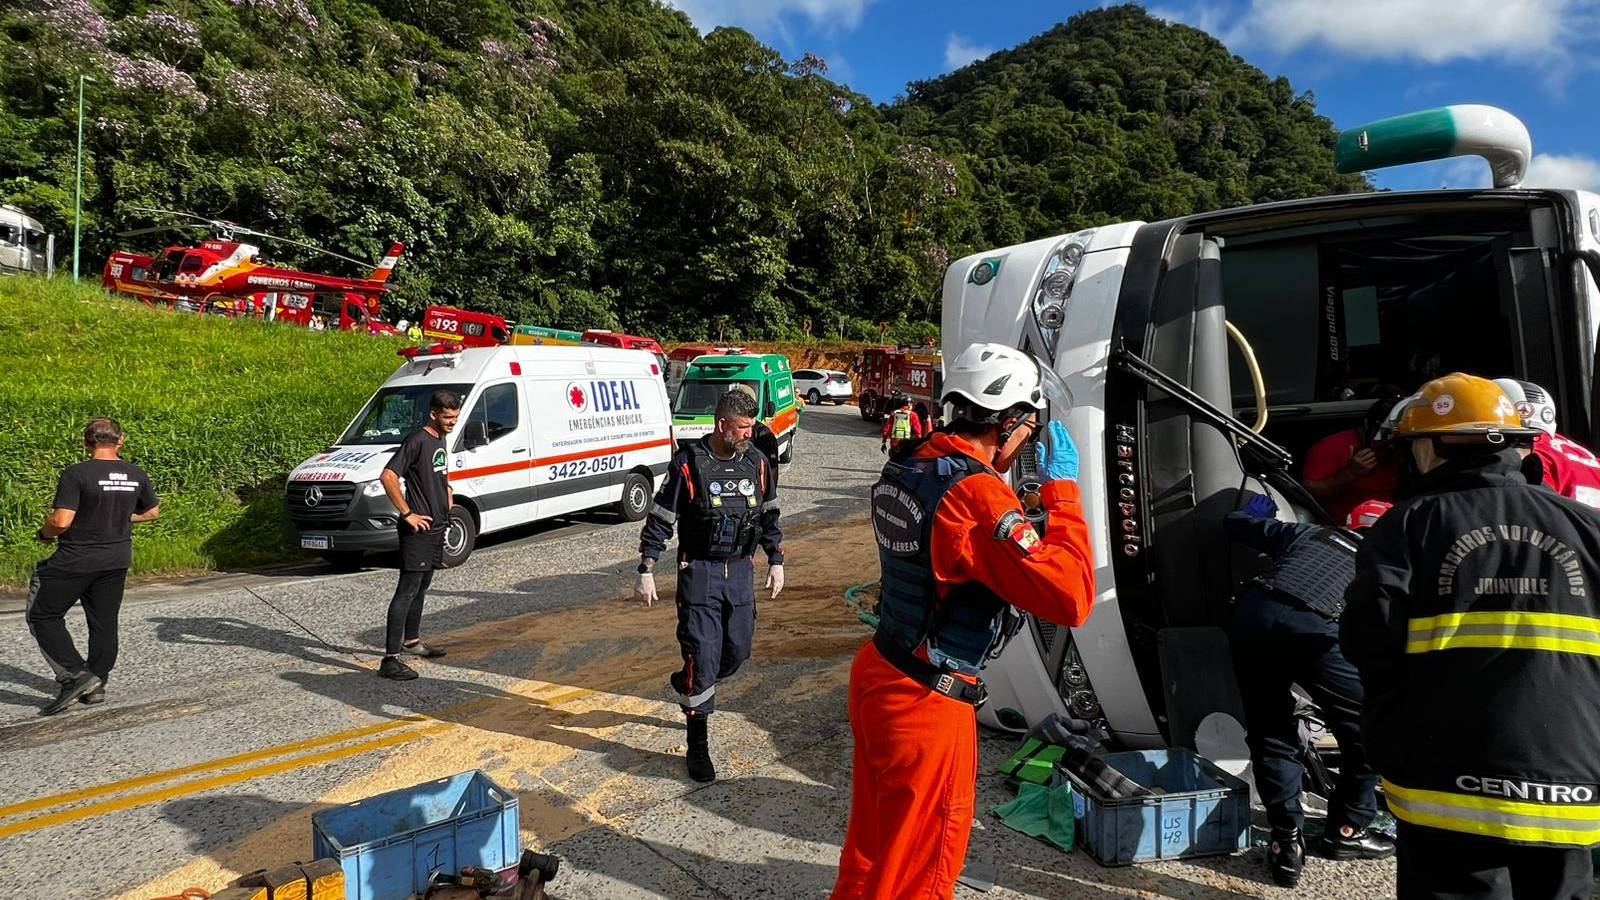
<point>1363,59</point>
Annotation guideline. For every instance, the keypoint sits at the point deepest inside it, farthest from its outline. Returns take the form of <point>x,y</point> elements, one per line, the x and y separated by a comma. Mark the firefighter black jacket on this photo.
<point>1474,622</point>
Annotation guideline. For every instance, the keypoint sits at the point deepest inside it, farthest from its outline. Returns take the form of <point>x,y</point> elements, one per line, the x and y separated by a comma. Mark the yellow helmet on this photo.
<point>1459,404</point>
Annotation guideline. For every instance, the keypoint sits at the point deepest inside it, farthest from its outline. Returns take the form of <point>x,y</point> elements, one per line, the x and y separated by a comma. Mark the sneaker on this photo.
<point>1286,856</point>
<point>426,651</point>
<point>96,696</point>
<point>1346,843</point>
<point>80,684</point>
<point>395,670</point>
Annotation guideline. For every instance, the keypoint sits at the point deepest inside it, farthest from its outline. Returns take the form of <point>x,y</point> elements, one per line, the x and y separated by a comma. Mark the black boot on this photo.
<point>699,757</point>
<point>1286,856</point>
<point>71,689</point>
<point>1346,843</point>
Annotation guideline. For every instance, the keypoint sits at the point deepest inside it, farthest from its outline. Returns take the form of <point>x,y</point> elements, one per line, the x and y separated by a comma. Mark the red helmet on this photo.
<point>1366,513</point>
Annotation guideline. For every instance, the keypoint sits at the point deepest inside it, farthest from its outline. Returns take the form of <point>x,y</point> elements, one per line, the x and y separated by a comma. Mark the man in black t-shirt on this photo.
<point>91,523</point>
<point>422,461</point>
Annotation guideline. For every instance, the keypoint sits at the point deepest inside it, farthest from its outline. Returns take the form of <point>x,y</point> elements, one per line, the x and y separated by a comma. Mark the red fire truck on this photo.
<point>472,329</point>
<point>886,375</point>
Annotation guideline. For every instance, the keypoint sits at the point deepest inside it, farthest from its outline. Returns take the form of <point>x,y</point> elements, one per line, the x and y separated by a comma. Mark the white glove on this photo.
<point>645,588</point>
<point>775,579</point>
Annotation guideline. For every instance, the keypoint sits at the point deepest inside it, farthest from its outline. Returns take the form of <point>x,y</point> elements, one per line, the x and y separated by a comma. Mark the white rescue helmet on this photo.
<point>994,377</point>
<point>1533,403</point>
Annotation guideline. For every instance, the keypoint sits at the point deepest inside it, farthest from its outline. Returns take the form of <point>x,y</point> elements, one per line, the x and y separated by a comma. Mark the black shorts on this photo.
<point>421,551</point>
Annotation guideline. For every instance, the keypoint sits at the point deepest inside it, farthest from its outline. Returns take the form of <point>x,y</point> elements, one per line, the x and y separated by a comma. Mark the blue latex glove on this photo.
<point>1057,455</point>
<point>1261,506</point>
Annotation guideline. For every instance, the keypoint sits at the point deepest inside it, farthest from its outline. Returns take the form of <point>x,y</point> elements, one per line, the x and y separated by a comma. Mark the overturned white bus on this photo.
<point>1204,354</point>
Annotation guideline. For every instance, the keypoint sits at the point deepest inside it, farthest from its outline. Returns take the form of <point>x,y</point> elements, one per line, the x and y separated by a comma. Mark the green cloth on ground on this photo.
<point>1041,812</point>
<point>1033,761</point>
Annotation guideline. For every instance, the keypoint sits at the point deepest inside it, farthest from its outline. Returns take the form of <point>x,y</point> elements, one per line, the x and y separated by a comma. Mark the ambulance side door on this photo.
<point>493,457</point>
<point>566,433</point>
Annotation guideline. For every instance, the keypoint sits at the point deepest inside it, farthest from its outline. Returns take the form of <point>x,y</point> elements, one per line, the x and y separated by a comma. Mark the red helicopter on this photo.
<point>226,276</point>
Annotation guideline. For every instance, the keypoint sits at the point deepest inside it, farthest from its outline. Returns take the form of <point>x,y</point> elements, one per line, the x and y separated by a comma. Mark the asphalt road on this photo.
<point>243,705</point>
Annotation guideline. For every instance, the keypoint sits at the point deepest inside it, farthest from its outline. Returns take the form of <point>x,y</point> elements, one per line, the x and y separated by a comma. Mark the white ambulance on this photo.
<point>1205,354</point>
<point>544,431</point>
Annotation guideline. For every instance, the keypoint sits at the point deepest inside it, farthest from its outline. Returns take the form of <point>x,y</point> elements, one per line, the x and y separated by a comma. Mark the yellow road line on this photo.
<point>206,784</point>
<point>226,762</point>
<point>70,798</point>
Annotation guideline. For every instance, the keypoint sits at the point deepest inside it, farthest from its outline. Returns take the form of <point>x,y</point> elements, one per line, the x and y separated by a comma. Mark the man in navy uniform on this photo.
<point>722,495</point>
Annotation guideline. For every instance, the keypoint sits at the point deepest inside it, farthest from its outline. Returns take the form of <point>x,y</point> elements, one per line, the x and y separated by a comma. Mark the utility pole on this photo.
<point>77,215</point>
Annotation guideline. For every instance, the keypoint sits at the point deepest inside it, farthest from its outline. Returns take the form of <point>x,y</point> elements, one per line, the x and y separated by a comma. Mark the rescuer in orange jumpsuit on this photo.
<point>956,551</point>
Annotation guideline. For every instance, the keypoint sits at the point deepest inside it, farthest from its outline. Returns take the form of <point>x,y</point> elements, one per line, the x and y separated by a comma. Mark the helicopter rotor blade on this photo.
<point>156,229</point>
<point>312,247</point>
<point>232,230</point>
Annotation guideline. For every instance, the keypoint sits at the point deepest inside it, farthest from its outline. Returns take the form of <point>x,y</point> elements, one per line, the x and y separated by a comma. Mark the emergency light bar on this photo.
<point>442,348</point>
<point>1461,130</point>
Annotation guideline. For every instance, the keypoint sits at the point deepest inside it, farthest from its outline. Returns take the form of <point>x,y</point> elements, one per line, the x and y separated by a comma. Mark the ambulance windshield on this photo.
<point>699,398</point>
<point>393,412</point>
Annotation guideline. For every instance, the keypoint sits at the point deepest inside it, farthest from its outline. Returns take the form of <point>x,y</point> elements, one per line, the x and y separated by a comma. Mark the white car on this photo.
<point>823,385</point>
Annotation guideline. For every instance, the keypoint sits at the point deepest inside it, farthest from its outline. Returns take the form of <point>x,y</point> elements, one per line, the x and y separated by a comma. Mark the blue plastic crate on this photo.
<point>391,845</point>
<point>1197,810</point>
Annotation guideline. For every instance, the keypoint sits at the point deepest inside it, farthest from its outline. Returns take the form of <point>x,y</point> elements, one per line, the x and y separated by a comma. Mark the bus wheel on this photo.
<point>460,537</point>
<point>635,500</point>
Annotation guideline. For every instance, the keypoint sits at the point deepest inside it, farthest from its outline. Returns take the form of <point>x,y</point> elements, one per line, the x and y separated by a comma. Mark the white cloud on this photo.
<point>1555,170</point>
<point>958,51</point>
<point>1425,30</point>
<point>832,16</point>
<point>1211,18</point>
<point>1539,32</point>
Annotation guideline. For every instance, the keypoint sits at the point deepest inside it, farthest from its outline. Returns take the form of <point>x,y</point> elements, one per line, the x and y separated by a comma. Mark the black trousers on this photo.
<point>716,626</point>
<point>51,594</point>
<point>420,554</point>
<point>405,610</point>
<point>1277,643</point>
<point>1446,865</point>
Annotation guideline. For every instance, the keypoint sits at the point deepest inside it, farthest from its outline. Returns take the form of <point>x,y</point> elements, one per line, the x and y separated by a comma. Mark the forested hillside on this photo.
<point>601,163</point>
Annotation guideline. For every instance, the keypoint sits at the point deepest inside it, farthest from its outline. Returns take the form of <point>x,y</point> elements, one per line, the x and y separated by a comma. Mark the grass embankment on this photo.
<point>217,412</point>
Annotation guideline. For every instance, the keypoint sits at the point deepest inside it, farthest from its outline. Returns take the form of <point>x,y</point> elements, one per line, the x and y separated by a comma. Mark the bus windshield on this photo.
<point>699,397</point>
<point>394,412</point>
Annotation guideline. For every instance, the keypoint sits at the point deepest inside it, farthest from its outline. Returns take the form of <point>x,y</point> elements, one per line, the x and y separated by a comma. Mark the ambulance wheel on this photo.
<point>460,537</point>
<point>813,397</point>
<point>635,500</point>
<point>786,455</point>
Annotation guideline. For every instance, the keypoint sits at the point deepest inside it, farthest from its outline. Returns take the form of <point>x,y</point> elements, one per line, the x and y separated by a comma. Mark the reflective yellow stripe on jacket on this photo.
<point>1552,632</point>
<point>1564,824</point>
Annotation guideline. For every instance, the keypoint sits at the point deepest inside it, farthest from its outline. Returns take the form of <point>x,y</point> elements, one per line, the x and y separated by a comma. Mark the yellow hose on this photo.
<point>1257,383</point>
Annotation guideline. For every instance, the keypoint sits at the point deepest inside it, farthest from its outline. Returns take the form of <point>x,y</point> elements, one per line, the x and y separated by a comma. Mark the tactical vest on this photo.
<point>727,505</point>
<point>1316,569</point>
<point>961,629</point>
<point>901,429</point>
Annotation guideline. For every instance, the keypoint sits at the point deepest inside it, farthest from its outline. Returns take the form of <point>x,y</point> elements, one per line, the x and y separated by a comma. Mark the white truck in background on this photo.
<point>24,245</point>
<point>1204,354</point>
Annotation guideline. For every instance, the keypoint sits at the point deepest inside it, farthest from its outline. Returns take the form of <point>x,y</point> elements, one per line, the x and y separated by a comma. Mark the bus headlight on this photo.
<point>1055,287</point>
